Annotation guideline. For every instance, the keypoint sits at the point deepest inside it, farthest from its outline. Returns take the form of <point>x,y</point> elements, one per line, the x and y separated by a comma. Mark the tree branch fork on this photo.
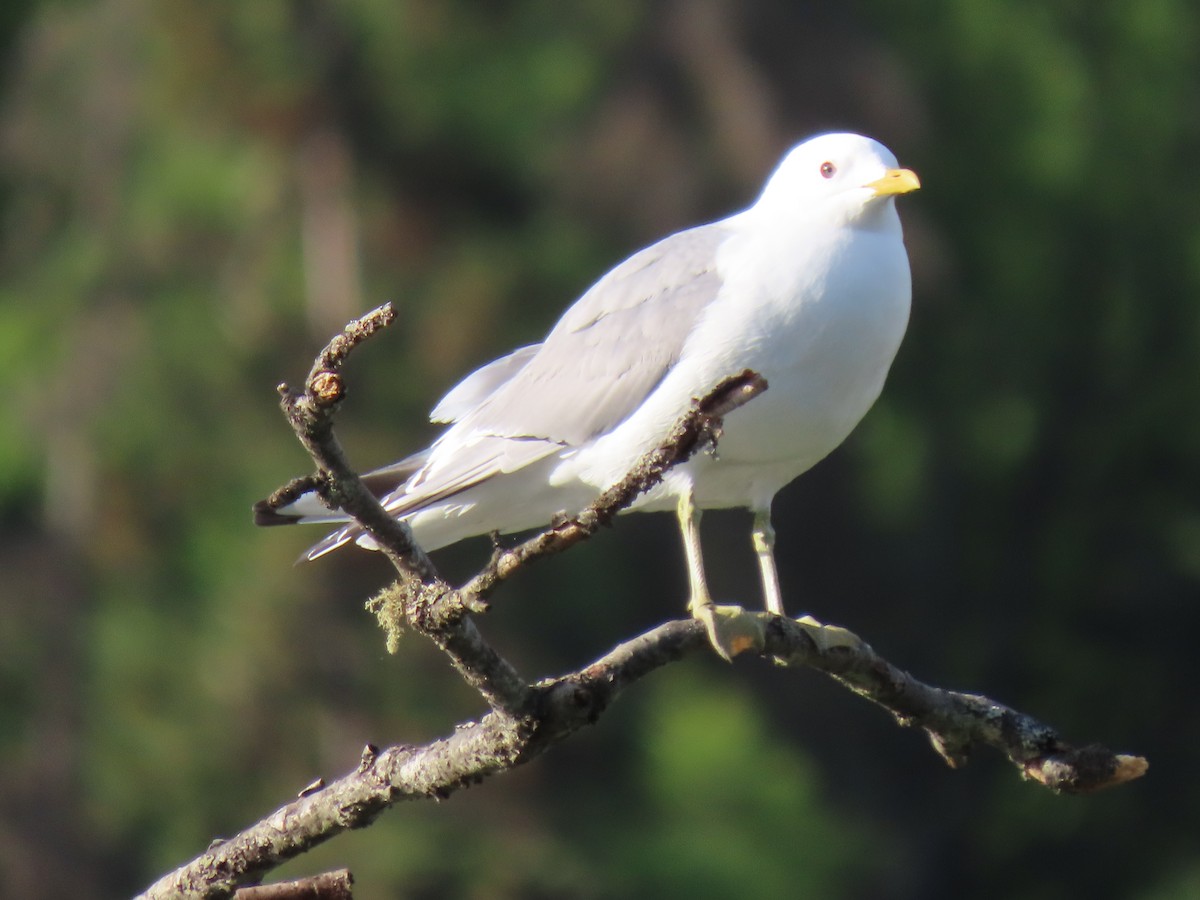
<point>526,718</point>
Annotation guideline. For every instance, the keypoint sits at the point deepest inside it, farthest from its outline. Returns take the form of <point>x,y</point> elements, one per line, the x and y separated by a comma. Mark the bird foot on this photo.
<point>829,637</point>
<point>731,629</point>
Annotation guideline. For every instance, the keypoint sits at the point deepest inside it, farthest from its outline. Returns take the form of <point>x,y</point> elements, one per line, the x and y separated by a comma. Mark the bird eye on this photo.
<point>828,169</point>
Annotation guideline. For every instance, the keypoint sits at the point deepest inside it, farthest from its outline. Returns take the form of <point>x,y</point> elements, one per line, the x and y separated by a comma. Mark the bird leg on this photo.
<point>689,524</point>
<point>731,630</point>
<point>763,536</point>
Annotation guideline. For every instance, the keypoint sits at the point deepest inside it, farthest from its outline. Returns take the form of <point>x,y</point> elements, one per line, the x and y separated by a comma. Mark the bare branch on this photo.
<point>457,636</point>
<point>526,719</point>
<point>311,413</point>
<point>955,722</point>
<point>563,705</point>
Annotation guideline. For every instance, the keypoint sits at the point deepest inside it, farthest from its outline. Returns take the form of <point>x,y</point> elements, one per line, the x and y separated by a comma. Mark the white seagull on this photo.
<point>809,287</point>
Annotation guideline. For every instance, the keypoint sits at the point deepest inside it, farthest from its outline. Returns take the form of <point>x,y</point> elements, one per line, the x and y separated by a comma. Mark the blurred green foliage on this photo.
<point>193,196</point>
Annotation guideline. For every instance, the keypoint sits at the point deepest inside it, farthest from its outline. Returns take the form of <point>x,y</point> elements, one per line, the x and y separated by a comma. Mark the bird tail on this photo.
<point>308,508</point>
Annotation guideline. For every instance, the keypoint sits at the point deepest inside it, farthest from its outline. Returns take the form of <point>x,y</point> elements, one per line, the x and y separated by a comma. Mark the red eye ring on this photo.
<point>828,169</point>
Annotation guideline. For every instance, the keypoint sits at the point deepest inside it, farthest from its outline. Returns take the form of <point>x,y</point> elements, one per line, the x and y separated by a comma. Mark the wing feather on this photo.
<point>479,385</point>
<point>610,349</point>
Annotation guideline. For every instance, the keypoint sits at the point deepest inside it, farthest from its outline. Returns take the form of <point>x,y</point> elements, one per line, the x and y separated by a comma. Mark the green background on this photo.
<point>195,195</point>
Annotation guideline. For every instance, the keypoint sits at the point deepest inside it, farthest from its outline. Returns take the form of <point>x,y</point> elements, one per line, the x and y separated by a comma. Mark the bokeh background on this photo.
<point>194,196</point>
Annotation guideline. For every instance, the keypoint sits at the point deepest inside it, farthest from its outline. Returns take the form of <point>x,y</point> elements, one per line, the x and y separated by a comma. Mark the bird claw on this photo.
<point>731,629</point>
<point>830,637</point>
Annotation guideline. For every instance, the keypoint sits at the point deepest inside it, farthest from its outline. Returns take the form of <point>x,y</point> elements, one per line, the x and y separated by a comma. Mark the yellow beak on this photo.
<point>895,181</point>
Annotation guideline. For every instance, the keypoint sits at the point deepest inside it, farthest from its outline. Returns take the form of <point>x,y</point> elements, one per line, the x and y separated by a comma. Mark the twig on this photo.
<point>326,886</point>
<point>310,413</point>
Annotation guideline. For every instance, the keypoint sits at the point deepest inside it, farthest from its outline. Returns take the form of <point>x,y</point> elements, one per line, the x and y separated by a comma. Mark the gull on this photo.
<point>809,287</point>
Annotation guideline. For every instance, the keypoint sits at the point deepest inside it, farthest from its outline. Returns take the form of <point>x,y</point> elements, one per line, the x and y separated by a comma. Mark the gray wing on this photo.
<point>476,387</point>
<point>595,368</point>
<point>610,349</point>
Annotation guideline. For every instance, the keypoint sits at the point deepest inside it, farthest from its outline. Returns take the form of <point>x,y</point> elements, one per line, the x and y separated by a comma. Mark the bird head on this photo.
<point>844,178</point>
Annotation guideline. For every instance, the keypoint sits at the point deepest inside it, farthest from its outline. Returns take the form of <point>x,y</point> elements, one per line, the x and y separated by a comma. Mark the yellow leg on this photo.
<point>689,525</point>
<point>763,536</point>
<point>731,630</point>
